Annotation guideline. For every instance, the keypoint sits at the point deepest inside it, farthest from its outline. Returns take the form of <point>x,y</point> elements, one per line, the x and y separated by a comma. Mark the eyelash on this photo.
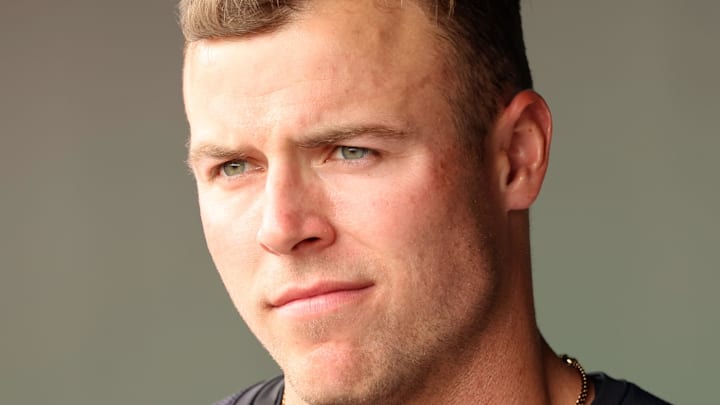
<point>367,154</point>
<point>218,171</point>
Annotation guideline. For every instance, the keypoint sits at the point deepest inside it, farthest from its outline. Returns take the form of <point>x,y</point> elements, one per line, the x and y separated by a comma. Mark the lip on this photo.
<point>319,297</point>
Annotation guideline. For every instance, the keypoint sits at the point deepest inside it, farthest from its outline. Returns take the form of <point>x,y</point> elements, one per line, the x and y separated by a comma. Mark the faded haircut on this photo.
<point>484,38</point>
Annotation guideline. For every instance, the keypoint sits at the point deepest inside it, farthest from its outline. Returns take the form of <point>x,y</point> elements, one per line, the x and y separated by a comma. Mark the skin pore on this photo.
<point>365,246</point>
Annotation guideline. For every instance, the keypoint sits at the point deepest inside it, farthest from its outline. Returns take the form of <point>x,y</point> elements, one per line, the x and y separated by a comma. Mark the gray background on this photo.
<point>107,295</point>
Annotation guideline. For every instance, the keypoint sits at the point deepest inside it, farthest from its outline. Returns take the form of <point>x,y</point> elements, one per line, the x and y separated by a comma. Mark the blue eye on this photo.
<point>353,153</point>
<point>234,168</point>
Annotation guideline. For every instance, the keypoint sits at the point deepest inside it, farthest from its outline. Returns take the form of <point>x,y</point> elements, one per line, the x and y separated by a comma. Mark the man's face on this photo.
<point>344,215</point>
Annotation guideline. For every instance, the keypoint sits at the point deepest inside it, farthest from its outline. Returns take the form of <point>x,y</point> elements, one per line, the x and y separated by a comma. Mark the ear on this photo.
<point>520,147</point>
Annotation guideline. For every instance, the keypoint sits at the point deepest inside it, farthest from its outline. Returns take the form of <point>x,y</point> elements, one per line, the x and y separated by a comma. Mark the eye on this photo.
<point>234,168</point>
<point>352,152</point>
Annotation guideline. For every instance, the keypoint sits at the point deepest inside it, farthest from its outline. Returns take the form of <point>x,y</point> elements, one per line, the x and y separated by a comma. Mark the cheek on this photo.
<point>398,210</point>
<point>231,242</point>
<point>408,229</point>
<point>228,226</point>
<point>427,218</point>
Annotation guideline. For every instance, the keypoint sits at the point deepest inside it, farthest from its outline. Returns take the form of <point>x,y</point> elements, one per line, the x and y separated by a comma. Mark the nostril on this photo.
<point>306,242</point>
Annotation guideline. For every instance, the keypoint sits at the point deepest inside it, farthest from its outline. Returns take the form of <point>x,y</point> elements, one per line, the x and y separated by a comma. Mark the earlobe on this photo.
<point>526,124</point>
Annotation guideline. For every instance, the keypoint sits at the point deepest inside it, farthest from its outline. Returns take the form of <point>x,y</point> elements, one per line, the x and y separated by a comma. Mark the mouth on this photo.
<point>320,298</point>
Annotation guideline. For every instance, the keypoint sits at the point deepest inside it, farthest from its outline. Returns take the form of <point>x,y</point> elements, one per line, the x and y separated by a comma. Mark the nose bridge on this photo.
<point>291,212</point>
<point>284,190</point>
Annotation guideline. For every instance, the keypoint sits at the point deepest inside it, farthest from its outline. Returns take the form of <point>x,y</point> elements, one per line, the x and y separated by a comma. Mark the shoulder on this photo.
<point>609,391</point>
<point>267,392</point>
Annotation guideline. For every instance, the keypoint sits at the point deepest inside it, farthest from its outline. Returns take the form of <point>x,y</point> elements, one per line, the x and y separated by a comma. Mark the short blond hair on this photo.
<point>204,19</point>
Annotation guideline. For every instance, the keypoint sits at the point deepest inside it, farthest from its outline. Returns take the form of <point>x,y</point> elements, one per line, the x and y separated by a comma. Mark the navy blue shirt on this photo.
<point>608,391</point>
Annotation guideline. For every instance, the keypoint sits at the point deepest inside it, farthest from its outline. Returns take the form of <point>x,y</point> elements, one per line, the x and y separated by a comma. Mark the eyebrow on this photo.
<point>320,138</point>
<point>336,135</point>
<point>211,151</point>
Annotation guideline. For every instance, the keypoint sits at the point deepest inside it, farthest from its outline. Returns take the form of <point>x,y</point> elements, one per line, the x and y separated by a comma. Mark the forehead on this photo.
<point>329,59</point>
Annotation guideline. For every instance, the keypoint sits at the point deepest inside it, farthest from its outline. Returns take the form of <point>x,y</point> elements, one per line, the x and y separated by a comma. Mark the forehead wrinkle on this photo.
<point>382,37</point>
<point>322,58</point>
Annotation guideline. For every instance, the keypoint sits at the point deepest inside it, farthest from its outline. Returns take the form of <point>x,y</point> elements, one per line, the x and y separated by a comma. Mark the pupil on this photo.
<point>353,153</point>
<point>233,168</point>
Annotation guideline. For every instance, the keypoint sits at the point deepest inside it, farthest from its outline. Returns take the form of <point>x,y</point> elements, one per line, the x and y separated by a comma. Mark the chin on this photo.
<point>337,378</point>
<point>324,391</point>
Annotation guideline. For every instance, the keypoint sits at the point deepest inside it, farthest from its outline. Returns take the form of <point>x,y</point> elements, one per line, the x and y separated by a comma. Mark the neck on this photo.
<point>509,362</point>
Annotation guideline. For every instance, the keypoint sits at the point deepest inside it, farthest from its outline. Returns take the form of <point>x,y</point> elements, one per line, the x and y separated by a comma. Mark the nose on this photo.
<point>294,220</point>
